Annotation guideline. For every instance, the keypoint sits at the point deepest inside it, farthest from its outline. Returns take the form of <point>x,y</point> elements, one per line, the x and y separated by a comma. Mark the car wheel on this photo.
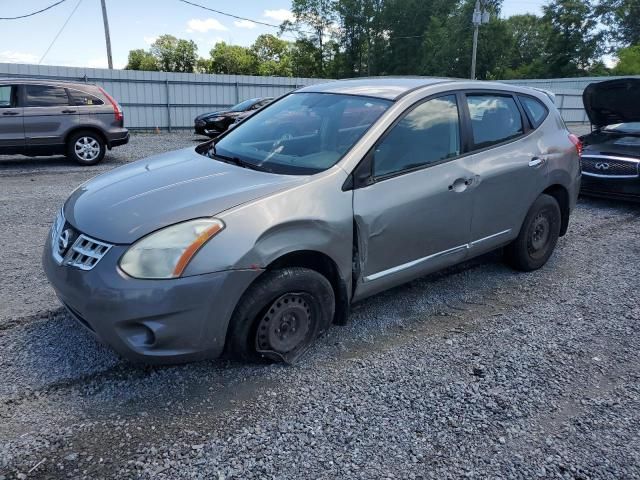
<point>86,148</point>
<point>280,316</point>
<point>538,235</point>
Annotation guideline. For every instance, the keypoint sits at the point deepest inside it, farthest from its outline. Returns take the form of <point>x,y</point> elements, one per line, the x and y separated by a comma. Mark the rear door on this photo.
<point>48,115</point>
<point>509,166</point>
<point>11,120</point>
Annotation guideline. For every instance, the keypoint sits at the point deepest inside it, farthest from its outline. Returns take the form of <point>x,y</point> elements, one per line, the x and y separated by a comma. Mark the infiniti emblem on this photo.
<point>602,166</point>
<point>63,241</point>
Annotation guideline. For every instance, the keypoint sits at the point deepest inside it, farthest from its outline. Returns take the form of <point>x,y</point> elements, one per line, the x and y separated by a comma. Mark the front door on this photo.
<point>48,115</point>
<point>415,217</point>
<point>11,121</point>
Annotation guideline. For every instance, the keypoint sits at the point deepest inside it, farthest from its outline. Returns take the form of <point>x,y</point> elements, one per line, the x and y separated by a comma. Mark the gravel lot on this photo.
<point>478,371</point>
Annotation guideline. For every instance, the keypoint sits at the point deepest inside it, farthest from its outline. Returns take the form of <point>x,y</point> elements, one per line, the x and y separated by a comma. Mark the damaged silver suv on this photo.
<point>252,244</point>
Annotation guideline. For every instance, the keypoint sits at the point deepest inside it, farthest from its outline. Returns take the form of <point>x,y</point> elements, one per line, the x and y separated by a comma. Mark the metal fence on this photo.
<point>171,100</point>
<point>165,100</point>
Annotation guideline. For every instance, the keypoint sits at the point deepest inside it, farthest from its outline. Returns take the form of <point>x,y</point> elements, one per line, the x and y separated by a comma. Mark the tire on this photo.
<point>280,316</point>
<point>538,236</point>
<point>86,147</point>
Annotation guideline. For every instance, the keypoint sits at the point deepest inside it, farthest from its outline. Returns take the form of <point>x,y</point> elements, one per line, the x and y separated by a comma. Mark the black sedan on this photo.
<point>214,123</point>
<point>611,154</point>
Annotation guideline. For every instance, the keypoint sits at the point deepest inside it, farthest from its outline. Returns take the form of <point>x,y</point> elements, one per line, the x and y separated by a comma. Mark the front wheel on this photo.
<point>86,148</point>
<point>281,315</point>
<point>538,235</point>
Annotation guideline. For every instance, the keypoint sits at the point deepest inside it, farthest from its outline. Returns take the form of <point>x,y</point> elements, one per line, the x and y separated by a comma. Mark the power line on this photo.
<point>60,31</point>
<point>33,13</point>
<point>236,16</point>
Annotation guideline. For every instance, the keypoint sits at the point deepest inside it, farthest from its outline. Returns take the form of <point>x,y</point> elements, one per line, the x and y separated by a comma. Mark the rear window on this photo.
<point>45,96</point>
<point>494,119</point>
<point>82,98</point>
<point>536,111</point>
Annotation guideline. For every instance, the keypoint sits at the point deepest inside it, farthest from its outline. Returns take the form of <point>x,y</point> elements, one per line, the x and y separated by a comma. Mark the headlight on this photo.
<point>167,252</point>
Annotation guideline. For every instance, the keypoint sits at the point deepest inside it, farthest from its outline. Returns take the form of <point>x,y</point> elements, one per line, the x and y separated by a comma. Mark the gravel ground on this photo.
<point>478,371</point>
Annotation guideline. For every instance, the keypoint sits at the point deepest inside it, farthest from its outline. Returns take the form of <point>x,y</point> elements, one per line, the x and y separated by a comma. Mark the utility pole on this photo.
<point>479,17</point>
<point>107,37</point>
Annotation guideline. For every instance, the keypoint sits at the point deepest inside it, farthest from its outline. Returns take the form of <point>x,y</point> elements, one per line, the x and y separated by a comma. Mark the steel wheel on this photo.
<point>286,324</point>
<point>539,234</point>
<point>87,148</point>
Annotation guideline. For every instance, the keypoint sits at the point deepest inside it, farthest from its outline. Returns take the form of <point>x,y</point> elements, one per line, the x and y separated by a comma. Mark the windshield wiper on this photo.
<point>235,161</point>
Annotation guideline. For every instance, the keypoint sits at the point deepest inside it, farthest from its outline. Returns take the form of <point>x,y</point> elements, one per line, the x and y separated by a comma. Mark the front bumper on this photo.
<point>617,188</point>
<point>150,321</point>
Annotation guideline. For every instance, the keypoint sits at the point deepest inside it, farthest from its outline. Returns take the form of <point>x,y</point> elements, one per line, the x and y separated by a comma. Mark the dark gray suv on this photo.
<point>42,117</point>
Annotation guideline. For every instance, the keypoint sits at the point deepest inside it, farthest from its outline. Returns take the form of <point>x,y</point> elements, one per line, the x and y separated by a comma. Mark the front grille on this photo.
<point>74,249</point>
<point>607,166</point>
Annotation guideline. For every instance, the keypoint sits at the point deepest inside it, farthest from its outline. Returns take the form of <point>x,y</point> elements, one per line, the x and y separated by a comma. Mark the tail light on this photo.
<point>117,111</point>
<point>576,142</point>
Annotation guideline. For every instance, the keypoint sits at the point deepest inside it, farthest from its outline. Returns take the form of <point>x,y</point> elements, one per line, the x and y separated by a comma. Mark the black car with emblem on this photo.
<point>214,123</point>
<point>611,152</point>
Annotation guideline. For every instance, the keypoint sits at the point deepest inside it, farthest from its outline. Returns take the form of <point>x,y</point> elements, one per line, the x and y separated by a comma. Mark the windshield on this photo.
<point>629,127</point>
<point>242,106</point>
<point>301,134</point>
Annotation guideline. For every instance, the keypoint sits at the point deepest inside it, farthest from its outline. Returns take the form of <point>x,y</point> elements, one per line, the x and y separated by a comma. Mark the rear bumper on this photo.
<point>117,139</point>
<point>150,321</point>
<point>617,188</point>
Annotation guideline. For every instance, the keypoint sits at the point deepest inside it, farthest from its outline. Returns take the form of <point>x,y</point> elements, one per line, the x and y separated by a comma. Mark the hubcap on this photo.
<point>285,325</point>
<point>87,148</point>
<point>540,231</point>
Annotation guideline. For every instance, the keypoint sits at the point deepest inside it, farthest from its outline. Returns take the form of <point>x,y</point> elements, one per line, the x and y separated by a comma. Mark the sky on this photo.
<point>137,23</point>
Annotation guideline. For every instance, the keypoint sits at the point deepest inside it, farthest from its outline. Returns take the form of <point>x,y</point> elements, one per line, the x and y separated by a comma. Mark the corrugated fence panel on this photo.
<point>171,100</point>
<point>161,99</point>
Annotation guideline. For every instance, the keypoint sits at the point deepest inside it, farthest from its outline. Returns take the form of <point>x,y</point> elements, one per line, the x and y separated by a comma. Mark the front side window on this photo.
<point>536,111</point>
<point>429,133</point>
<point>7,96</point>
<point>303,133</point>
<point>83,99</point>
<point>494,119</point>
<point>45,96</point>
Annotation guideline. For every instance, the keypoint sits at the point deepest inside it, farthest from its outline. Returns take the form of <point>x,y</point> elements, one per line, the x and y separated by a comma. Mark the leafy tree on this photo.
<point>573,45</point>
<point>141,60</point>
<point>233,59</point>
<point>175,55</point>
<point>628,61</point>
<point>305,59</point>
<point>273,55</point>
<point>622,17</point>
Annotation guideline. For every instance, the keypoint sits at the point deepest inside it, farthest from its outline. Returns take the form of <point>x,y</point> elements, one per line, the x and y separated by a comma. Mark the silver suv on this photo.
<point>255,242</point>
<point>42,117</point>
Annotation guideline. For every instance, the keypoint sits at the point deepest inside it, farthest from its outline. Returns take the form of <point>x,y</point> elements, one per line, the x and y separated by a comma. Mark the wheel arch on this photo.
<point>86,128</point>
<point>561,195</point>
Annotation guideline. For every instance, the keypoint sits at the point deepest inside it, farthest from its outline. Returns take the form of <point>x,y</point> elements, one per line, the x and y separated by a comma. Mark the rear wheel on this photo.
<point>281,315</point>
<point>538,235</point>
<point>86,148</point>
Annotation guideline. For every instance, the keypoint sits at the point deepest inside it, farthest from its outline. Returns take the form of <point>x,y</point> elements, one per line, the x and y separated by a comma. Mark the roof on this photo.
<point>44,81</point>
<point>389,88</point>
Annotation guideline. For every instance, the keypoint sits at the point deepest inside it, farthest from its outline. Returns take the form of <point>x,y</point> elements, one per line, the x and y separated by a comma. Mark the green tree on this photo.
<point>573,45</point>
<point>628,61</point>
<point>274,56</point>
<point>232,59</point>
<point>175,55</point>
<point>622,17</point>
<point>141,60</point>
<point>304,58</point>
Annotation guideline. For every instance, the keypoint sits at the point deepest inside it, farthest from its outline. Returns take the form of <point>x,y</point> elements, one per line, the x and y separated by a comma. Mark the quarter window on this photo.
<point>7,96</point>
<point>536,111</point>
<point>429,133</point>
<point>494,119</point>
<point>81,98</point>
<point>45,96</point>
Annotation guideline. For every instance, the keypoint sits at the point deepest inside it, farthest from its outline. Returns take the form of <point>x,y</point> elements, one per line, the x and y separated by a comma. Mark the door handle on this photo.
<point>10,113</point>
<point>460,184</point>
<point>69,111</point>
<point>537,161</point>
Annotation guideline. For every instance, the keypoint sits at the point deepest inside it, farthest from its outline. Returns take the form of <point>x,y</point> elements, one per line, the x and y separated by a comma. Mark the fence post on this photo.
<point>166,82</point>
<point>237,92</point>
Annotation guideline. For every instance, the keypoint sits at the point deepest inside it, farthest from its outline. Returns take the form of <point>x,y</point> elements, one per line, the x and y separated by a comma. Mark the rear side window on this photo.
<point>81,98</point>
<point>429,133</point>
<point>8,96</point>
<point>45,96</point>
<point>536,111</point>
<point>494,119</point>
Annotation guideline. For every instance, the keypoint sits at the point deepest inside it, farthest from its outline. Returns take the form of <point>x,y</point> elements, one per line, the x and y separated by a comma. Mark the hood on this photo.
<point>219,113</point>
<point>613,101</point>
<point>605,143</point>
<point>131,201</point>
